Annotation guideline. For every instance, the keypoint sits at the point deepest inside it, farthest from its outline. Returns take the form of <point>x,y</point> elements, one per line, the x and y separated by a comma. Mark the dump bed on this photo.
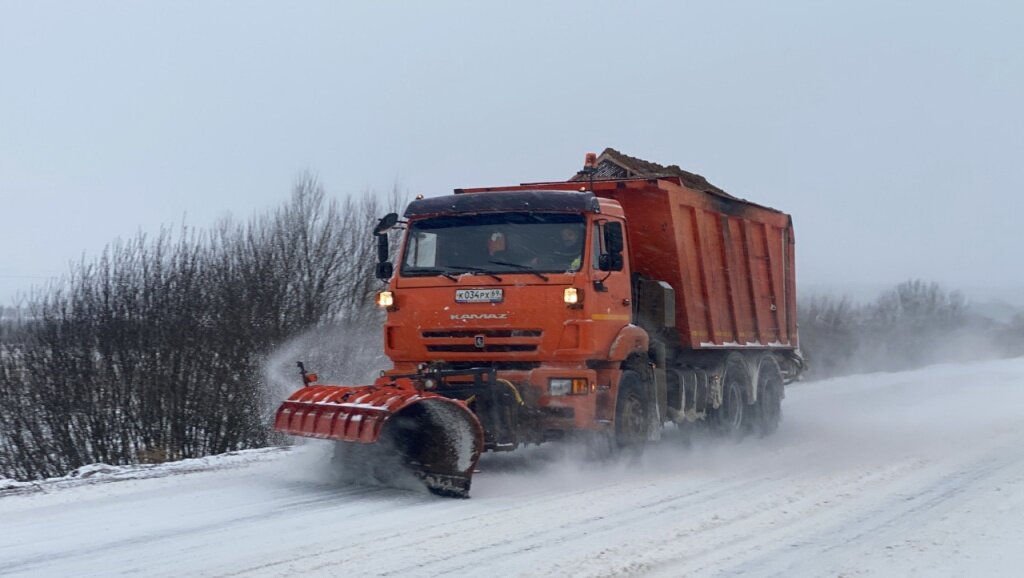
<point>731,262</point>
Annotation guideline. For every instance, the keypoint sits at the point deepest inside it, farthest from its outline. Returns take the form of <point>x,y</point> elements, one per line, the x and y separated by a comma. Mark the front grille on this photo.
<point>497,333</point>
<point>494,340</point>
<point>497,348</point>
<point>496,365</point>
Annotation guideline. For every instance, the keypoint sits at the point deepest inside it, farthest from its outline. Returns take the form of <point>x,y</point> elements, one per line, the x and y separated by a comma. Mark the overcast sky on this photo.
<point>893,132</point>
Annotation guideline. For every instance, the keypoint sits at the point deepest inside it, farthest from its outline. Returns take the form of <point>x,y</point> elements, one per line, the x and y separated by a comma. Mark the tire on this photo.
<point>631,413</point>
<point>769,397</point>
<point>731,419</point>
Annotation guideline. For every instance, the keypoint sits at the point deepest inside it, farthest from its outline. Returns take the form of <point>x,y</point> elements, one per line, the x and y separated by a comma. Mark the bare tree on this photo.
<point>909,323</point>
<point>829,333</point>
<point>156,349</point>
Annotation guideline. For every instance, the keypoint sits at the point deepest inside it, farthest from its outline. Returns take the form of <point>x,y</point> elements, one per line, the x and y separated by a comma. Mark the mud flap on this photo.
<point>657,410</point>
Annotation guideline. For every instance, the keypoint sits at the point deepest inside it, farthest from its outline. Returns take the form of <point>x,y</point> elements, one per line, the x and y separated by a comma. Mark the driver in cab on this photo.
<point>562,252</point>
<point>569,251</point>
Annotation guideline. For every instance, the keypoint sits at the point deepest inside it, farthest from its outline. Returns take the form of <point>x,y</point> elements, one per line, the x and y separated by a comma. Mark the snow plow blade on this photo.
<point>437,439</point>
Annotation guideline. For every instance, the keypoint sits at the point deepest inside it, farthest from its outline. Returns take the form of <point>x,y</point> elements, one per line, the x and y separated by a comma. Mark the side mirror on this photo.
<point>384,267</point>
<point>385,223</point>
<point>383,248</point>
<point>613,237</point>
<point>613,242</point>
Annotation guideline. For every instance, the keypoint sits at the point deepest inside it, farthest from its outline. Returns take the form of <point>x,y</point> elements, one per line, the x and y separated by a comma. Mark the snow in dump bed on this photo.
<point>917,473</point>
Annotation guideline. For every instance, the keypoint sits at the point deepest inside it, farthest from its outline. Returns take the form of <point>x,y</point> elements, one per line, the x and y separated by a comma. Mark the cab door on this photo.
<point>609,265</point>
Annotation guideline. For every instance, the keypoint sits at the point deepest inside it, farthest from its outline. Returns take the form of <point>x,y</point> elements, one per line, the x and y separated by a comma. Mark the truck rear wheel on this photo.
<point>769,397</point>
<point>729,419</point>
<point>631,421</point>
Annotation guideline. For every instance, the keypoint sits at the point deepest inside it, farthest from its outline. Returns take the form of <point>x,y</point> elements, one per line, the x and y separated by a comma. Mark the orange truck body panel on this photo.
<point>730,261</point>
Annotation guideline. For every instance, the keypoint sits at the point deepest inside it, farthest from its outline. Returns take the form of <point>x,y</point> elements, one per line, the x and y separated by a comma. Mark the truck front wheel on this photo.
<point>630,413</point>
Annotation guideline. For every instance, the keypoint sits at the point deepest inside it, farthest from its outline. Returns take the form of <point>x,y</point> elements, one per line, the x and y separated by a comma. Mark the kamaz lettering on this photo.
<point>481,316</point>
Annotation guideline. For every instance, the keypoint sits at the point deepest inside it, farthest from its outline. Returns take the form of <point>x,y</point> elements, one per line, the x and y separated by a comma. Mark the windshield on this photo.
<point>495,243</point>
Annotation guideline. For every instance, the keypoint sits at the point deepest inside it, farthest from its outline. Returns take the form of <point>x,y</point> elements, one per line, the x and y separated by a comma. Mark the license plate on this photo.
<point>479,295</point>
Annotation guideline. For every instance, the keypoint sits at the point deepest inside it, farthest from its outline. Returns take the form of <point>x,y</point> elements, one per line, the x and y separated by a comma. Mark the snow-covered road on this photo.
<point>917,473</point>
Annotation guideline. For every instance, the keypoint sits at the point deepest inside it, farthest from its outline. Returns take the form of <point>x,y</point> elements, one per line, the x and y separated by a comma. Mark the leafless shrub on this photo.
<point>913,324</point>
<point>909,325</point>
<point>829,333</point>
<point>156,350</point>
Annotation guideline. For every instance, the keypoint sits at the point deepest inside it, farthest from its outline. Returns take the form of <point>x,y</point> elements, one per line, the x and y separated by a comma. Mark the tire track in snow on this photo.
<point>825,522</point>
<point>722,529</point>
<point>910,507</point>
<point>861,463</point>
<point>491,539</point>
<point>297,506</point>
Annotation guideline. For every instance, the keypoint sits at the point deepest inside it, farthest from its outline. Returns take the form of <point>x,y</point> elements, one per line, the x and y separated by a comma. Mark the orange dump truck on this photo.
<point>603,307</point>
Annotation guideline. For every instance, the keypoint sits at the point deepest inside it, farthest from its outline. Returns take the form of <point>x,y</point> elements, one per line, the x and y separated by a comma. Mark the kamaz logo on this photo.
<point>473,316</point>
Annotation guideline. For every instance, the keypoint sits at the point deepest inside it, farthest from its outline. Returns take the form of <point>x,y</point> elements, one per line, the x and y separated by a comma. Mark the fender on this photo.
<point>630,339</point>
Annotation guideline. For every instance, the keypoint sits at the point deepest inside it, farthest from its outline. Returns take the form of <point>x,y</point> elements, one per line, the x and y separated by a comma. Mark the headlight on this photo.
<point>572,296</point>
<point>558,386</point>
<point>385,299</point>
<point>566,386</point>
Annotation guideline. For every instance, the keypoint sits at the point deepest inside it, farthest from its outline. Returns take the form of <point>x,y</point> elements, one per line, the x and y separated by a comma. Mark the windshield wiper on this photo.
<point>521,267</point>
<point>432,271</point>
<point>475,270</point>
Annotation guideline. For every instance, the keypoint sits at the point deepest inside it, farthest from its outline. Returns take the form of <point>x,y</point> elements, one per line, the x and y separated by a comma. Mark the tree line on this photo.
<point>913,324</point>
<point>158,349</point>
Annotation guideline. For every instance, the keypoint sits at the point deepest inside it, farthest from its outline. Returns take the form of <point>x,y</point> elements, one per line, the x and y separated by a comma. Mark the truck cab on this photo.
<point>532,285</point>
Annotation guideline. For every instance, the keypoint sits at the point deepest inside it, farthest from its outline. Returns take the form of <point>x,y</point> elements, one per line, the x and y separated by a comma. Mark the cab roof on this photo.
<point>506,201</point>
